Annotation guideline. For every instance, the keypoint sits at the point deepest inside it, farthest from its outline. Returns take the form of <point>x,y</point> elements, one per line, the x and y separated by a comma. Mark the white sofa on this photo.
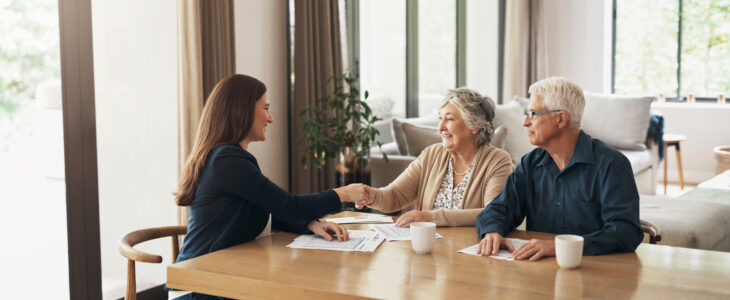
<point>620,122</point>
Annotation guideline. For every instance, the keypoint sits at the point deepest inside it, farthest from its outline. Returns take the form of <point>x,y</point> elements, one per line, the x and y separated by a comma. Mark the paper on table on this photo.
<point>362,219</point>
<point>392,233</point>
<point>502,254</point>
<point>360,240</point>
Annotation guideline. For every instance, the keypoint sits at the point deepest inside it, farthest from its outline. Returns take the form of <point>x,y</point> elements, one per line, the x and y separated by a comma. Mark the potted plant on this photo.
<point>342,130</point>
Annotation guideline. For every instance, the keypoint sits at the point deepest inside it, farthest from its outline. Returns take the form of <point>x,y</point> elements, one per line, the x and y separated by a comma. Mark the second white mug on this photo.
<point>423,236</point>
<point>568,250</point>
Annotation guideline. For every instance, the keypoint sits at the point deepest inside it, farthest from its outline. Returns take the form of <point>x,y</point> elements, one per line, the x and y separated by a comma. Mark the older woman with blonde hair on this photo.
<point>452,181</point>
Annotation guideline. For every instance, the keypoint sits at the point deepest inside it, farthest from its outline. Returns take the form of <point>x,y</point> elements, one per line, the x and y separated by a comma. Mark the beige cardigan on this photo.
<point>421,182</point>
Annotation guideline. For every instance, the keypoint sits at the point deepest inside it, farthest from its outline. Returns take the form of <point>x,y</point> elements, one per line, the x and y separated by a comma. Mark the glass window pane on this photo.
<point>436,52</point>
<point>646,47</point>
<point>482,46</point>
<point>705,47</point>
<point>135,79</point>
<point>383,56</point>
<point>34,250</point>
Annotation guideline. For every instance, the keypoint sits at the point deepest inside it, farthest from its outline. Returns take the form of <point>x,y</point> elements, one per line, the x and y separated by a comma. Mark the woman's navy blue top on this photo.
<point>233,200</point>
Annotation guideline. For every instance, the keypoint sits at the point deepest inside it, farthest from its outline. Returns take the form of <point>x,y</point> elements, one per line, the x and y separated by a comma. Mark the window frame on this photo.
<point>678,97</point>
<point>411,80</point>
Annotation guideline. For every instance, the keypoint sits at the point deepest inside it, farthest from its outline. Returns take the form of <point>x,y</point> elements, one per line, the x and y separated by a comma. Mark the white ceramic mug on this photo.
<point>568,250</point>
<point>423,236</point>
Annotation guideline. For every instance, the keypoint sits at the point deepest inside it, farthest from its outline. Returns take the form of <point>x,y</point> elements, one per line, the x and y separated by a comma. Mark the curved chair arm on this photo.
<point>126,244</point>
<point>653,231</point>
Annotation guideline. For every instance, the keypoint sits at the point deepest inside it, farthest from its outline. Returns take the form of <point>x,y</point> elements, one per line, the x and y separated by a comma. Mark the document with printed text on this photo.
<point>360,240</point>
<point>502,254</point>
<point>393,233</point>
<point>362,219</point>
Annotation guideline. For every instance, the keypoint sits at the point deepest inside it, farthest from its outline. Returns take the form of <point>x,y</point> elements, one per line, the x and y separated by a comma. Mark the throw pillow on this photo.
<point>498,137</point>
<point>399,136</point>
<point>516,143</point>
<point>419,137</point>
<point>619,121</point>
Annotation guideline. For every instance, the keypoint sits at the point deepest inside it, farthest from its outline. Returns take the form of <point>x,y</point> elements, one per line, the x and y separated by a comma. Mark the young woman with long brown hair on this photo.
<point>230,200</point>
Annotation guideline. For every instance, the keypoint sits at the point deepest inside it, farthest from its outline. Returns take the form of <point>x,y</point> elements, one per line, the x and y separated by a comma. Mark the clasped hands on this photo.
<point>532,250</point>
<point>357,193</point>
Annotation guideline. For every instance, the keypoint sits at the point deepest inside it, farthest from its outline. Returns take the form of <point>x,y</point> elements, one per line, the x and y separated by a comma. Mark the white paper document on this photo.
<point>502,254</point>
<point>392,233</point>
<point>360,240</point>
<point>362,219</point>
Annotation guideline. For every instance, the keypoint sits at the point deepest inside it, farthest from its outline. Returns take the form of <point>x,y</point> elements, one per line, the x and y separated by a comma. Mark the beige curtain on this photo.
<point>317,57</point>
<point>538,58</point>
<point>205,55</point>
<point>218,42</point>
<point>525,47</point>
<point>516,46</point>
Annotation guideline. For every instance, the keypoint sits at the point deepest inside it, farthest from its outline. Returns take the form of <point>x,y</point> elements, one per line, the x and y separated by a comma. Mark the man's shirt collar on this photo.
<point>583,152</point>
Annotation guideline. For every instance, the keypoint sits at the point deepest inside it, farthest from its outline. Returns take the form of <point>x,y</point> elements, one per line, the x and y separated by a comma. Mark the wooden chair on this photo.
<point>653,231</point>
<point>128,241</point>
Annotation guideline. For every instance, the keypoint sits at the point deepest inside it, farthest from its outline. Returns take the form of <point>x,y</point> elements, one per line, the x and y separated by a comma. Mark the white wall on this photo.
<point>260,29</point>
<point>482,46</point>
<point>135,65</point>
<point>706,126</point>
<point>579,43</point>
<point>576,32</point>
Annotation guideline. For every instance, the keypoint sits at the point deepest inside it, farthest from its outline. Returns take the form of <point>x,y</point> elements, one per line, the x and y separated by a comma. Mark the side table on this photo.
<point>673,140</point>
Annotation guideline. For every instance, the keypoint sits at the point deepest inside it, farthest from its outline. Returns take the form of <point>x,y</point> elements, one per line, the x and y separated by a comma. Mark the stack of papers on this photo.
<point>362,219</point>
<point>360,241</point>
<point>502,254</point>
<point>392,233</point>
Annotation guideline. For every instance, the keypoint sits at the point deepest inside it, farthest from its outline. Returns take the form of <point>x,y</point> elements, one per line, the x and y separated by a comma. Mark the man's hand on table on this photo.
<point>535,249</point>
<point>490,244</point>
<point>532,250</point>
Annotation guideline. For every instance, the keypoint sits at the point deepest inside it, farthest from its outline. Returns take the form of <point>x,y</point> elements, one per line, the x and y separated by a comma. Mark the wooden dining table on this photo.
<point>266,268</point>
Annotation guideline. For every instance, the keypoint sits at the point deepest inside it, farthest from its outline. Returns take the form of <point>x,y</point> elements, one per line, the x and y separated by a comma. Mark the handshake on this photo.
<point>358,193</point>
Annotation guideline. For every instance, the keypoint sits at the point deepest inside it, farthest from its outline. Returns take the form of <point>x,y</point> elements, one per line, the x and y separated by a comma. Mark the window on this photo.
<point>383,55</point>
<point>672,47</point>
<point>411,53</point>
<point>32,166</point>
<point>436,52</point>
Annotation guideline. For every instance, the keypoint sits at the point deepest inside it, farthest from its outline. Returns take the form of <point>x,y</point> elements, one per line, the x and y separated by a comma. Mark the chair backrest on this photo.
<point>653,231</point>
<point>126,248</point>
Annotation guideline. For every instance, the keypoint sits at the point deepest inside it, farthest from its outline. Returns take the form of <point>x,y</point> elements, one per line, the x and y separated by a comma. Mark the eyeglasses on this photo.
<point>531,114</point>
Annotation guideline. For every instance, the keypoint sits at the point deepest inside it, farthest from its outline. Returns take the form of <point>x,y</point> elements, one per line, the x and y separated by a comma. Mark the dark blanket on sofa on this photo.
<point>656,131</point>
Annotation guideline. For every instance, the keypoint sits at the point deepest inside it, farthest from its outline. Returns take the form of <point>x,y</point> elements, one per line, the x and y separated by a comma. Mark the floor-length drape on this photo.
<point>538,58</point>
<point>219,60</point>
<point>205,56</point>
<point>516,46</point>
<point>317,57</point>
<point>525,47</point>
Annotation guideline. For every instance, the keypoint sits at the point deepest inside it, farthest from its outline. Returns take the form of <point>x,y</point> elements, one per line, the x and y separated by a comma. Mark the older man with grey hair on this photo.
<point>570,184</point>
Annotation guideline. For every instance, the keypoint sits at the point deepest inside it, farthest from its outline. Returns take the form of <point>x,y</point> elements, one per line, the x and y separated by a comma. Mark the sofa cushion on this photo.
<point>498,137</point>
<point>387,148</point>
<point>619,121</point>
<point>516,142</point>
<point>399,136</point>
<point>640,159</point>
<point>419,137</point>
<point>688,223</point>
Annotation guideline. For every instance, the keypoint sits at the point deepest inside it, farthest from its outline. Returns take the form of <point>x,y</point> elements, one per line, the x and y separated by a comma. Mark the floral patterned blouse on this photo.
<point>450,196</point>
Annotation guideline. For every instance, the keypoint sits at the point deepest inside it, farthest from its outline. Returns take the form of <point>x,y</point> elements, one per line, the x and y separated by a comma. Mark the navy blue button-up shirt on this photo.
<point>594,196</point>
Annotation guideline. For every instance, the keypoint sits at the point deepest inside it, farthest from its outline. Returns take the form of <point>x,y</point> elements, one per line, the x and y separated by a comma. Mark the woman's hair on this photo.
<point>227,118</point>
<point>476,110</point>
<point>560,94</point>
